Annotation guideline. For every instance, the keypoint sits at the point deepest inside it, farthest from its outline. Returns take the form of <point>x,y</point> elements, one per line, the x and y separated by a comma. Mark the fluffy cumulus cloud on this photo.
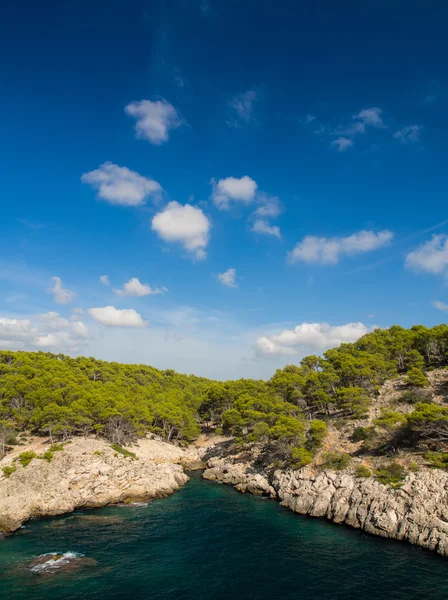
<point>408,134</point>
<point>323,250</point>
<point>263,227</point>
<point>120,185</point>
<point>440,305</point>
<point>44,331</point>
<point>371,117</point>
<point>134,288</point>
<point>228,278</point>
<point>310,337</point>
<point>155,119</point>
<point>341,143</point>
<point>431,256</point>
<point>233,190</point>
<point>242,108</point>
<point>60,294</point>
<point>269,206</point>
<point>116,317</point>
<point>183,224</point>
<point>104,279</point>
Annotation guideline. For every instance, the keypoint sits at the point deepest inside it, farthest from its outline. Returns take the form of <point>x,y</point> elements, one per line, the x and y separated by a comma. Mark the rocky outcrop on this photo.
<point>240,475</point>
<point>89,473</point>
<point>417,512</point>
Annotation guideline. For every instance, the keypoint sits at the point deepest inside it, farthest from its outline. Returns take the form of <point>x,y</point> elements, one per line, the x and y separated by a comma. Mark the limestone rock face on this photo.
<point>240,475</point>
<point>88,473</point>
<point>417,512</point>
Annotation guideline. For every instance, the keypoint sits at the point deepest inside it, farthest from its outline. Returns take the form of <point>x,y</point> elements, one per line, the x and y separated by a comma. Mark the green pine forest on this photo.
<point>60,397</point>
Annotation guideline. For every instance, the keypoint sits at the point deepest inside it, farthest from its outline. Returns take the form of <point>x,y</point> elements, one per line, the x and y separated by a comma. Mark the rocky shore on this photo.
<point>89,473</point>
<point>417,512</point>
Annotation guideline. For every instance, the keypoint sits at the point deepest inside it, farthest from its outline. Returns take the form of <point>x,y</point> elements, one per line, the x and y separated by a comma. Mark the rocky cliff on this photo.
<point>417,512</point>
<point>89,473</point>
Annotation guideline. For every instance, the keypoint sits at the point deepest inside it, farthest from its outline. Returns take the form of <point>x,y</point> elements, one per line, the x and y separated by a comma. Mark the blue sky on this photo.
<point>257,180</point>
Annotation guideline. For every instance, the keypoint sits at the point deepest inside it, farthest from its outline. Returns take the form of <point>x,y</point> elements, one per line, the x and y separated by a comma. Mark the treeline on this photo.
<point>60,396</point>
<point>289,414</point>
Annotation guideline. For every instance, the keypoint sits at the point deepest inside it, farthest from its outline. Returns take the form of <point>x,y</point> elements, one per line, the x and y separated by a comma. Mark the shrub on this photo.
<point>300,457</point>
<point>316,434</point>
<point>336,460</point>
<point>26,457</point>
<point>362,433</point>
<point>98,453</point>
<point>414,467</point>
<point>416,396</point>
<point>362,471</point>
<point>438,460</point>
<point>219,431</point>
<point>7,471</point>
<point>56,447</point>
<point>416,377</point>
<point>47,456</point>
<point>120,450</point>
<point>392,474</point>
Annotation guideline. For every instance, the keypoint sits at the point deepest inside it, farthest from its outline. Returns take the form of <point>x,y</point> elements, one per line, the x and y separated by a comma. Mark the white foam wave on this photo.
<point>55,563</point>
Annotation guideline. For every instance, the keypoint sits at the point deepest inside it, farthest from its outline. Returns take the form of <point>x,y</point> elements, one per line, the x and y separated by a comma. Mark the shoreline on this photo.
<point>88,473</point>
<point>416,513</point>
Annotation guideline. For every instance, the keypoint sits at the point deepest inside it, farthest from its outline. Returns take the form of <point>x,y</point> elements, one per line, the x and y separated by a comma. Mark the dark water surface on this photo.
<point>208,541</point>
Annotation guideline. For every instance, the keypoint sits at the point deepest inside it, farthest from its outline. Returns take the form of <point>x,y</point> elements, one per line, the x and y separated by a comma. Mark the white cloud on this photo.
<point>233,189</point>
<point>183,224</point>
<point>104,279</point>
<point>48,330</point>
<point>228,278</point>
<point>77,314</point>
<point>341,144</point>
<point>120,185</point>
<point>116,317</point>
<point>431,256</point>
<point>350,130</point>
<point>323,250</point>
<point>411,133</point>
<point>242,107</point>
<point>154,119</point>
<point>262,226</point>
<point>60,295</point>
<point>371,116</point>
<point>134,288</point>
<point>440,305</point>
<point>269,206</point>
<point>308,337</point>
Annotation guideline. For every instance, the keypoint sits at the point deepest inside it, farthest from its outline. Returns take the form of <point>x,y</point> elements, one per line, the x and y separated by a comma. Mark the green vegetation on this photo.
<point>60,397</point>
<point>7,471</point>
<point>120,450</point>
<point>26,457</point>
<point>48,456</point>
<point>300,457</point>
<point>335,460</point>
<point>437,459</point>
<point>392,474</point>
<point>416,377</point>
<point>362,471</point>
<point>360,434</point>
<point>415,396</point>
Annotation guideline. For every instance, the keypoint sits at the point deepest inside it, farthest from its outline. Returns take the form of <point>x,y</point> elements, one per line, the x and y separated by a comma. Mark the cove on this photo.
<point>208,541</point>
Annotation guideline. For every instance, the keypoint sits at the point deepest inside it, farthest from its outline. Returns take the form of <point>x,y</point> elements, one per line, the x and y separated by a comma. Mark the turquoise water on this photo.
<point>208,541</point>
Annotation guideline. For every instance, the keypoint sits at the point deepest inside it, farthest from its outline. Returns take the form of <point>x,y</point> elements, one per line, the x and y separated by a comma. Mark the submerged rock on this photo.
<point>52,563</point>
